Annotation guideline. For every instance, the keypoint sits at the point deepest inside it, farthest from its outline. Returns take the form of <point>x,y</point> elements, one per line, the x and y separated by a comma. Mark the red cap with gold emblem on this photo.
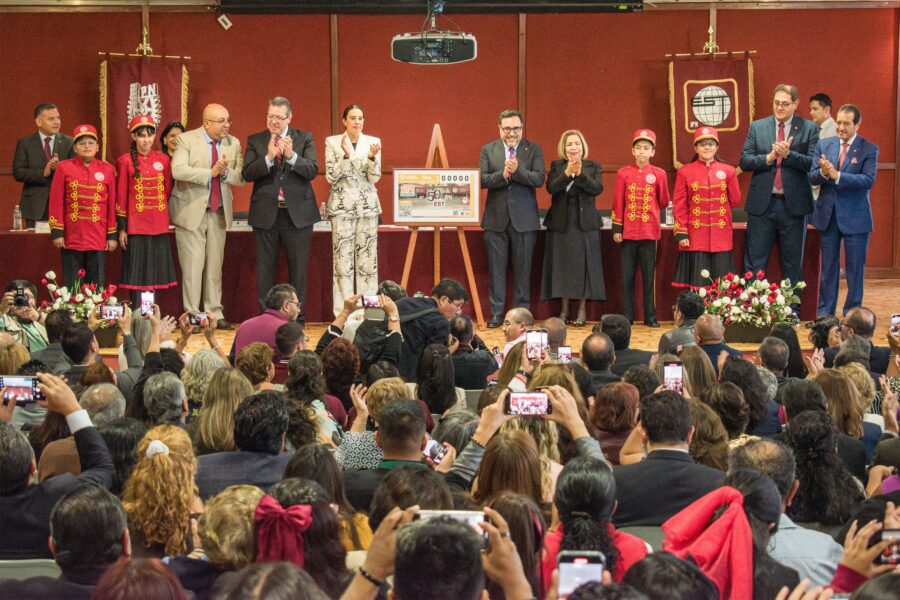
<point>644,134</point>
<point>141,121</point>
<point>83,130</point>
<point>706,133</point>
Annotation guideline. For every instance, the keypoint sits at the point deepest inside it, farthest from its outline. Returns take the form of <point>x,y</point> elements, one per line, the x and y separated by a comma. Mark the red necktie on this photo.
<point>280,154</point>
<point>215,188</point>
<point>779,184</point>
<point>844,147</point>
<point>47,151</point>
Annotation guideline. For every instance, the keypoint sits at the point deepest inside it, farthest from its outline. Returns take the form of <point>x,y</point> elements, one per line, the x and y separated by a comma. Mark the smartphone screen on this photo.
<point>497,356</point>
<point>112,313</point>
<point>528,404</point>
<point>20,389</point>
<point>534,344</point>
<point>564,354</point>
<point>577,568</point>
<point>198,319</point>
<point>435,451</point>
<point>148,299</point>
<point>371,302</point>
<point>672,376</point>
<point>473,518</point>
<point>891,554</point>
<point>895,323</point>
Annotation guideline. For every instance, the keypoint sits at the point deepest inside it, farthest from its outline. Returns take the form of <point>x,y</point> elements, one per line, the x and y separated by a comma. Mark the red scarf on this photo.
<point>280,531</point>
<point>722,549</point>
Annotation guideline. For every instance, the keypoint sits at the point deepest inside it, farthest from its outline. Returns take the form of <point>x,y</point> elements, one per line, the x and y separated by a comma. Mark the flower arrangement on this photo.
<point>80,302</point>
<point>749,300</point>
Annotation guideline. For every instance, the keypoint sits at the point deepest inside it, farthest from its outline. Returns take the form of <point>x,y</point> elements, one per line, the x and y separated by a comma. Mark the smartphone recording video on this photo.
<point>528,404</point>
<point>891,554</point>
<point>577,567</point>
<point>895,323</point>
<point>534,343</point>
<point>564,354</point>
<point>20,389</point>
<point>435,451</point>
<point>198,319</point>
<point>473,518</point>
<point>371,302</point>
<point>673,374</point>
<point>497,356</point>
<point>112,313</point>
<point>148,299</point>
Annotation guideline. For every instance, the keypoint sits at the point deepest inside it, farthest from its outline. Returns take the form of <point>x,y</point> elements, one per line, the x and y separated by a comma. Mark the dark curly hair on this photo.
<point>305,380</point>
<point>643,378</point>
<point>254,361</point>
<point>340,366</point>
<point>744,375</point>
<point>616,407</point>
<point>828,493</point>
<point>728,401</point>
<point>585,499</point>
<point>819,329</point>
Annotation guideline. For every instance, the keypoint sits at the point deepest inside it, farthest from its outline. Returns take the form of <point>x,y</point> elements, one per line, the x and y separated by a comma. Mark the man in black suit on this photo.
<point>618,328</point>
<point>668,479</point>
<point>260,427</point>
<point>774,354</point>
<point>35,161</point>
<point>861,322</point>
<point>511,169</point>
<point>25,507</point>
<point>281,163</point>
<point>401,436</point>
<point>426,320</point>
<point>598,355</point>
<point>88,533</point>
<point>779,151</point>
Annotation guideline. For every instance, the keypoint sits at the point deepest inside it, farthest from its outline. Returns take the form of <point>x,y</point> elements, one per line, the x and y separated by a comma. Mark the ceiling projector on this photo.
<point>434,48</point>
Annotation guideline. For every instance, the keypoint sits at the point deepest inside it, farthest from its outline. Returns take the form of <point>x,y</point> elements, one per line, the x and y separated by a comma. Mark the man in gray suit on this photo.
<point>35,161</point>
<point>511,169</point>
<point>779,151</point>
<point>820,114</point>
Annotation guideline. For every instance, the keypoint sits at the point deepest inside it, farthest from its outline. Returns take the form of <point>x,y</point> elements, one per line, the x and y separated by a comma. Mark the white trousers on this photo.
<point>355,246</point>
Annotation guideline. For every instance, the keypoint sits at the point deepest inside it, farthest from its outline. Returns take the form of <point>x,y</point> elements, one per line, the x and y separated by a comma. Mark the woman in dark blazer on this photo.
<point>573,266</point>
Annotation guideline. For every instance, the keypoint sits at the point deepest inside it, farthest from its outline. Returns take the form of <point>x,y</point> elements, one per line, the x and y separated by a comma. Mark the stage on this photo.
<point>30,255</point>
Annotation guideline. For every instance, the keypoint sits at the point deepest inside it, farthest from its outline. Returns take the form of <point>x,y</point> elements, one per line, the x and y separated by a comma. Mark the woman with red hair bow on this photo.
<point>297,522</point>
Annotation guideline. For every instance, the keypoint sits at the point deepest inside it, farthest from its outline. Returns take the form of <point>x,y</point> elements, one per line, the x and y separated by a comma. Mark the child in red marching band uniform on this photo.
<point>142,207</point>
<point>705,192</point>
<point>82,209</point>
<point>642,190</point>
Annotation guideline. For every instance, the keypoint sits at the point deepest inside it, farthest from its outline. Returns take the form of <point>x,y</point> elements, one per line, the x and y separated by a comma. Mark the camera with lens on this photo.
<point>19,298</point>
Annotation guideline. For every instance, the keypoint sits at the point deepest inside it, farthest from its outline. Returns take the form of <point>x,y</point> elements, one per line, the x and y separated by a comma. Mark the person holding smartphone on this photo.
<point>142,212</point>
<point>353,167</point>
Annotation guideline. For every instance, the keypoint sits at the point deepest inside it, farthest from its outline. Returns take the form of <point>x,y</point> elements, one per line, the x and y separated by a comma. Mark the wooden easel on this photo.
<point>437,159</point>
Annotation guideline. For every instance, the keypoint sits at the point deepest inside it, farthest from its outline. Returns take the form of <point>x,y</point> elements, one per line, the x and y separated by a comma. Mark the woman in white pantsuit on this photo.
<point>352,167</point>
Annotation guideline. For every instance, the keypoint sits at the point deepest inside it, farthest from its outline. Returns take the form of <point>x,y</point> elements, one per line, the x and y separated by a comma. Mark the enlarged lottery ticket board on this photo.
<point>436,196</point>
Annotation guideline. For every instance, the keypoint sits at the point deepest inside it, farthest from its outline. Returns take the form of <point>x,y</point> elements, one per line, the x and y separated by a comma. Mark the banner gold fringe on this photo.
<point>103,82</point>
<point>184,95</point>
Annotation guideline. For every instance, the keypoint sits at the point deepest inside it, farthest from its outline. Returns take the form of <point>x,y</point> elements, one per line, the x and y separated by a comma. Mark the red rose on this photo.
<point>760,274</point>
<point>82,272</point>
<point>773,287</point>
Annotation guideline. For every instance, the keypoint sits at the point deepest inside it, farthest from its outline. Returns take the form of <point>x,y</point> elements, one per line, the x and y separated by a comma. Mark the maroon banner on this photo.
<point>715,93</point>
<point>139,85</point>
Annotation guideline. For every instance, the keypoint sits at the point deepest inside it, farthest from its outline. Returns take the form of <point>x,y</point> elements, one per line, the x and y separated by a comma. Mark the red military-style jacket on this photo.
<point>142,205</point>
<point>702,202</point>
<point>640,195</point>
<point>83,204</point>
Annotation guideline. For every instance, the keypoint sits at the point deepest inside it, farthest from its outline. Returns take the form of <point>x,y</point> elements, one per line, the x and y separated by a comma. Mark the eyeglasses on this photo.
<point>778,104</point>
<point>276,118</point>
<point>511,129</point>
<point>219,121</point>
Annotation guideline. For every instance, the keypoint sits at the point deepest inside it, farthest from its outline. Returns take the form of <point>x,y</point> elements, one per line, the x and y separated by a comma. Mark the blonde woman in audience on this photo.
<point>358,449</point>
<point>213,429</point>
<point>513,362</point>
<point>160,496</point>
<point>511,463</point>
<point>846,410</point>
<point>862,381</point>
<point>12,354</point>
<point>227,539</point>
<point>659,366</point>
<point>548,374</point>
<point>196,376</point>
<point>698,370</point>
<point>546,436</point>
<point>255,362</point>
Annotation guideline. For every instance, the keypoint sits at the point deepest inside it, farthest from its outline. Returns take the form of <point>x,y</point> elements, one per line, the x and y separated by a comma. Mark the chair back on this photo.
<point>28,568</point>
<point>650,534</point>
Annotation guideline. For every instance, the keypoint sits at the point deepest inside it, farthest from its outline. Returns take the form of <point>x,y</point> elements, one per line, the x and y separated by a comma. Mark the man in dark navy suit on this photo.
<point>779,151</point>
<point>281,163</point>
<point>511,169</point>
<point>845,168</point>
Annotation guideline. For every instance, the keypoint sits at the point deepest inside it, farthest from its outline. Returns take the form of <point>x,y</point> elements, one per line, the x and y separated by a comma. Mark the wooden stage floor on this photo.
<point>881,295</point>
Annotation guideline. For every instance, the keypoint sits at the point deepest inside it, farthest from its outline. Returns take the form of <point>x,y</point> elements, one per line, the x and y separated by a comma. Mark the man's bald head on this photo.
<point>517,321</point>
<point>708,329</point>
<point>556,333</point>
<point>216,121</point>
<point>598,352</point>
<point>861,321</point>
<point>770,458</point>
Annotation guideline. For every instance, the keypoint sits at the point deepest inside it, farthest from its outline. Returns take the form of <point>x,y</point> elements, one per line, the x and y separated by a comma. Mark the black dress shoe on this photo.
<point>793,319</point>
<point>223,325</point>
<point>495,322</point>
<point>652,323</point>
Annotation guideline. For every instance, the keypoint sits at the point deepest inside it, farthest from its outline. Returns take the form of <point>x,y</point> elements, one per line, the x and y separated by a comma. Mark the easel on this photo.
<point>437,159</point>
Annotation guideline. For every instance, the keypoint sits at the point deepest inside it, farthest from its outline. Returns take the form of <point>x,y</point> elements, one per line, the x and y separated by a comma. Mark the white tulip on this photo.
<point>704,274</point>
<point>702,292</point>
<point>50,275</point>
<point>51,287</point>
